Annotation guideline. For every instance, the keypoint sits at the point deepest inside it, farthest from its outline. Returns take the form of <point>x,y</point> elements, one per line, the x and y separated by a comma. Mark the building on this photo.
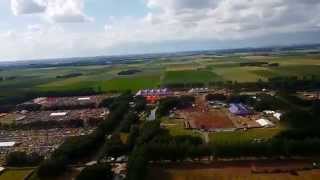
<point>153,95</point>
<point>152,116</point>
<point>154,92</point>
<point>239,109</point>
<point>199,90</point>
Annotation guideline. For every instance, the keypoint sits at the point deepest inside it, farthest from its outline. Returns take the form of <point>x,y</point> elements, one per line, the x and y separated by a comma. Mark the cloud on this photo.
<point>167,21</point>
<point>19,7</point>
<point>226,19</point>
<point>65,11</point>
<point>61,11</point>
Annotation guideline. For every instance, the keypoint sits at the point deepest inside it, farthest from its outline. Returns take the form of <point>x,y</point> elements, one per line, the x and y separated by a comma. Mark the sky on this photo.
<point>37,29</point>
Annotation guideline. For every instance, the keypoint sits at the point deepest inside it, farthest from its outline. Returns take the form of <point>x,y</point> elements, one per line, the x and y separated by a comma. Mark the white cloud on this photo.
<point>67,11</point>
<point>19,7</point>
<point>222,19</point>
<point>62,11</point>
<point>166,21</point>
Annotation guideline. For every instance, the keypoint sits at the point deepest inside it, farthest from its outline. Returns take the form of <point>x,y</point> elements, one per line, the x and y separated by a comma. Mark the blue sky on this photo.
<point>32,29</point>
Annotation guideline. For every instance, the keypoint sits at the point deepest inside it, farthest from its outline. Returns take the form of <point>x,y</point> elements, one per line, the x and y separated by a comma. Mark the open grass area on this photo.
<point>189,76</point>
<point>133,83</point>
<point>243,137</point>
<point>175,127</point>
<point>18,174</point>
<point>240,74</point>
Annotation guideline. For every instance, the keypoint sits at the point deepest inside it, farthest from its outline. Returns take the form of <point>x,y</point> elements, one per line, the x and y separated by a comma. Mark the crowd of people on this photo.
<point>42,142</point>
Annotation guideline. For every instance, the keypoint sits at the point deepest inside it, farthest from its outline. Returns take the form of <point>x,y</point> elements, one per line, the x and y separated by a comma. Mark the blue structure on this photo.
<point>239,109</point>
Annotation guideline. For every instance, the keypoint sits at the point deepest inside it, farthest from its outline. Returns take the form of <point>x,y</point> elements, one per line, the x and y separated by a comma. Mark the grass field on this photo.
<point>242,137</point>
<point>175,127</point>
<point>133,83</point>
<point>189,76</point>
<point>15,174</point>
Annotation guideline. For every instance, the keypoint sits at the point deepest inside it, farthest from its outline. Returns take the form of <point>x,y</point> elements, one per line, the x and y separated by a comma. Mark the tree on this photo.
<point>52,167</point>
<point>96,172</point>
<point>23,159</point>
<point>137,164</point>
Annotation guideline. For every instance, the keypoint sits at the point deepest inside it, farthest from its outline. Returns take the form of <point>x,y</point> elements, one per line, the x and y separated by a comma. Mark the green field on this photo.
<point>155,73</point>
<point>15,174</point>
<point>175,127</point>
<point>189,76</point>
<point>242,137</point>
<point>133,83</point>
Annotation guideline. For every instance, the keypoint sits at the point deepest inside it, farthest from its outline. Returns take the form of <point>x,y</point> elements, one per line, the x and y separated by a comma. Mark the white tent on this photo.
<point>58,114</point>
<point>264,123</point>
<point>277,116</point>
<point>7,144</point>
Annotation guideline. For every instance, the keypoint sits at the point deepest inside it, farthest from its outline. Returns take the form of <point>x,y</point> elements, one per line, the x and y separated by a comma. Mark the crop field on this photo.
<point>189,76</point>
<point>15,174</point>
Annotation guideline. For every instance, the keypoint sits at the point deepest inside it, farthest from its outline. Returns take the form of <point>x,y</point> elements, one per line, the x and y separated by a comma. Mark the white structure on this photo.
<point>277,116</point>
<point>264,123</point>
<point>58,114</point>
<point>7,144</point>
<point>84,99</point>
<point>268,112</point>
<point>152,116</point>
<point>154,92</point>
<point>1,169</point>
<point>199,90</point>
<point>40,100</point>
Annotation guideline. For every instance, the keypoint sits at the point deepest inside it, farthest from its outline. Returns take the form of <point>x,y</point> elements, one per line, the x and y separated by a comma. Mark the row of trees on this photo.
<point>96,172</point>
<point>273,148</point>
<point>276,83</point>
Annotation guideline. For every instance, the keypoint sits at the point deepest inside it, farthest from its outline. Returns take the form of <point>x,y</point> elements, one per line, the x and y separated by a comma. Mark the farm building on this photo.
<point>239,109</point>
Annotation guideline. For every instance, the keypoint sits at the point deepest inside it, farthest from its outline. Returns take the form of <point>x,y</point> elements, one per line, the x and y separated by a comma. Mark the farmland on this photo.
<point>15,174</point>
<point>189,76</point>
<point>157,73</point>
